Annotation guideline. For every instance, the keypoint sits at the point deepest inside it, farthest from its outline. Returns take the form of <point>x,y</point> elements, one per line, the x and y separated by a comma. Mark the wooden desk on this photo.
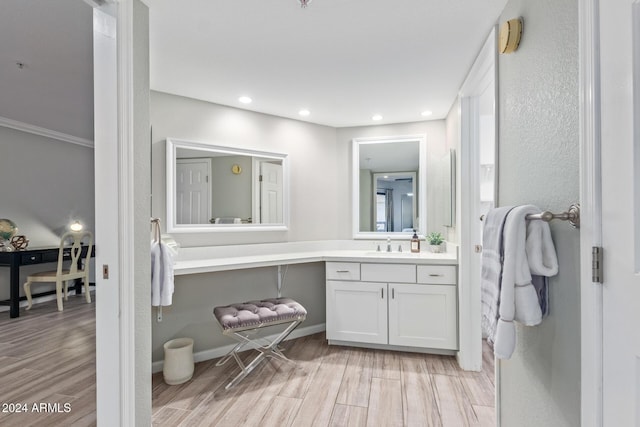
<point>14,260</point>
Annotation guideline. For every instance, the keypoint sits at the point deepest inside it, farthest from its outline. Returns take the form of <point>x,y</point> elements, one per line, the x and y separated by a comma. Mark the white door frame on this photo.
<point>470,331</point>
<point>590,213</point>
<point>115,310</point>
<point>106,219</point>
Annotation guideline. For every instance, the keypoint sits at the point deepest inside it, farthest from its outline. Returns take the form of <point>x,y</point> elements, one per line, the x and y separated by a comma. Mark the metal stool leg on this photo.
<point>270,350</point>
<point>231,353</point>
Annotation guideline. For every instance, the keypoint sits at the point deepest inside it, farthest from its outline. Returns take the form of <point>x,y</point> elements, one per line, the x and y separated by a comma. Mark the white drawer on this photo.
<point>437,274</point>
<point>343,271</point>
<point>397,273</point>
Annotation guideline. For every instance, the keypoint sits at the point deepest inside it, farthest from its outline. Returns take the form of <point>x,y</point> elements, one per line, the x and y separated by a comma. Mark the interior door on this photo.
<point>193,191</point>
<point>271,193</point>
<point>620,71</point>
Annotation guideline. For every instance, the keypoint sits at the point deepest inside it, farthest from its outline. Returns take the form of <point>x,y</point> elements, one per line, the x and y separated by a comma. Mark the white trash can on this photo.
<point>178,361</point>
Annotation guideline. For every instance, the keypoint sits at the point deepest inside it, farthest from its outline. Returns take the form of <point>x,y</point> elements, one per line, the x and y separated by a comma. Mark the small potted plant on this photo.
<point>435,239</point>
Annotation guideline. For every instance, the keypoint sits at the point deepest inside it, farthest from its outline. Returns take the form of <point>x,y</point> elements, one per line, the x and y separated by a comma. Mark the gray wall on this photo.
<point>319,159</point>
<point>46,183</point>
<point>539,164</point>
<point>317,174</point>
<point>320,183</point>
<point>197,294</point>
<point>319,178</point>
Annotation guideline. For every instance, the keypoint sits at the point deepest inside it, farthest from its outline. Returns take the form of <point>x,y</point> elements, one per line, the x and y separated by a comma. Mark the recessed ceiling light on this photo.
<point>245,100</point>
<point>376,117</point>
<point>426,113</point>
<point>304,112</point>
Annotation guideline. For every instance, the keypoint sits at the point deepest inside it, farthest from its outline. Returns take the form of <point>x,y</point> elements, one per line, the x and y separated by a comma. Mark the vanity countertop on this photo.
<point>224,258</point>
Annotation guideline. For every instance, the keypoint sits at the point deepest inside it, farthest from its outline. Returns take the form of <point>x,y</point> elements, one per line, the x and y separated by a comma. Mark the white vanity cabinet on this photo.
<point>393,305</point>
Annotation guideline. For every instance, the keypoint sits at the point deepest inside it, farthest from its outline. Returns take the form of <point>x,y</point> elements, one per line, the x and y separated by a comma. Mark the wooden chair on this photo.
<point>62,276</point>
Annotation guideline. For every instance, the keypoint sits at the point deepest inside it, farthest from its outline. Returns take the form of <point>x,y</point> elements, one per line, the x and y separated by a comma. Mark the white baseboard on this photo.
<point>214,353</point>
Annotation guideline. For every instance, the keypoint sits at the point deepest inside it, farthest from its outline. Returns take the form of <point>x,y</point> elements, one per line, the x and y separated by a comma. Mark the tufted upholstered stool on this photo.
<point>242,320</point>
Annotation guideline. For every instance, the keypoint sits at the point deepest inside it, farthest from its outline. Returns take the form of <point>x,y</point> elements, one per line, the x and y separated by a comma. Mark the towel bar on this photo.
<point>572,215</point>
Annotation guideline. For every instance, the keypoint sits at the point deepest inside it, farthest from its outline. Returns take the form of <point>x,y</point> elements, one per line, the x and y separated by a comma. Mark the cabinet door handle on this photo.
<point>342,271</point>
<point>393,293</point>
<point>382,293</point>
<point>435,275</point>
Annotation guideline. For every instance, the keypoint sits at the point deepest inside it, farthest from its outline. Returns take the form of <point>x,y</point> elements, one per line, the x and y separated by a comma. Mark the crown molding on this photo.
<point>37,130</point>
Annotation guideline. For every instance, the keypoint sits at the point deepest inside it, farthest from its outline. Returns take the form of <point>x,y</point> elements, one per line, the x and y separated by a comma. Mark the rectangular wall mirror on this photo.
<point>217,188</point>
<point>389,186</point>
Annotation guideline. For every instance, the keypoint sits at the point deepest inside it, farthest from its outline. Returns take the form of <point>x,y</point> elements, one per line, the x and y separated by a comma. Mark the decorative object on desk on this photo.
<point>435,240</point>
<point>8,229</point>
<point>19,242</point>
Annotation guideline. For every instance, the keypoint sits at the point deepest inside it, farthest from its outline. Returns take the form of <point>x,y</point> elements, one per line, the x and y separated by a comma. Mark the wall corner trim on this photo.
<point>37,130</point>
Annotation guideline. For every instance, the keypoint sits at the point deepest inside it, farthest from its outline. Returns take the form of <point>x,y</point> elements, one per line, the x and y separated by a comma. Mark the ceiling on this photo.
<point>53,41</point>
<point>343,60</point>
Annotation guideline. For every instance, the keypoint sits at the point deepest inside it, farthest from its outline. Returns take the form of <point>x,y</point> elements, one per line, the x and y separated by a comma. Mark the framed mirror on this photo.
<point>217,188</point>
<point>389,186</point>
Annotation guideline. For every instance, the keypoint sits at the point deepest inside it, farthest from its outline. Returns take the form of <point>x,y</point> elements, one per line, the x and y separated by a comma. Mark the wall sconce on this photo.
<point>76,226</point>
<point>510,35</point>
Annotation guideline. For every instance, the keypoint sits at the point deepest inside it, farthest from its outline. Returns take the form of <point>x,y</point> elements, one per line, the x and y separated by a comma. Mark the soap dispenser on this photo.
<point>415,242</point>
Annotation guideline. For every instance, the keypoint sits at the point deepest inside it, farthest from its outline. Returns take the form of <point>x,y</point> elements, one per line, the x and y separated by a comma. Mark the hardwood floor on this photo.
<point>332,386</point>
<point>48,357</point>
<point>47,365</point>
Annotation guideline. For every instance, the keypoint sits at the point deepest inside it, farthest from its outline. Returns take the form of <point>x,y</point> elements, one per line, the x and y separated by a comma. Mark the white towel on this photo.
<point>518,298</point>
<point>162,284</point>
<point>492,250</point>
<point>541,254</point>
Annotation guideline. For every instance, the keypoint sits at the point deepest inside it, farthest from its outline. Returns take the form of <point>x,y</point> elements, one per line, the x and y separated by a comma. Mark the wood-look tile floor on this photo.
<point>48,357</point>
<point>47,365</point>
<point>332,386</point>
